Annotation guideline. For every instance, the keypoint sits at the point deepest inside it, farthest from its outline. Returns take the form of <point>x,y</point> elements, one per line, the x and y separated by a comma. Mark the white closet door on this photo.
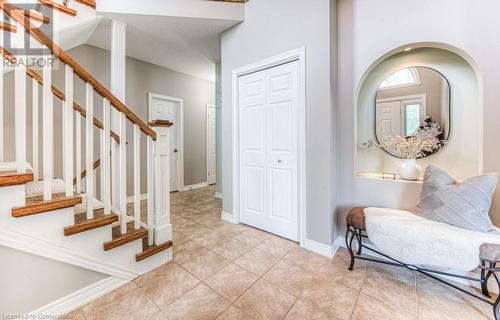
<point>211,145</point>
<point>269,150</point>
<point>253,184</point>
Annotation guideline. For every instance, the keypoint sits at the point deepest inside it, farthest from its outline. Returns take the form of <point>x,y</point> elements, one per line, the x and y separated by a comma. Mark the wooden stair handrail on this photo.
<point>15,14</point>
<point>58,93</point>
<point>83,174</point>
<point>58,6</point>
<point>89,3</point>
<point>8,27</point>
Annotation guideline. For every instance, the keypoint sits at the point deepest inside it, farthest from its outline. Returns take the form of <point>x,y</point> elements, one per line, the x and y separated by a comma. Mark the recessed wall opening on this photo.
<point>452,100</point>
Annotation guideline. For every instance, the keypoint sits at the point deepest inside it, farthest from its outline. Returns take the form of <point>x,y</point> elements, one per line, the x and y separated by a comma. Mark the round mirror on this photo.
<point>412,113</point>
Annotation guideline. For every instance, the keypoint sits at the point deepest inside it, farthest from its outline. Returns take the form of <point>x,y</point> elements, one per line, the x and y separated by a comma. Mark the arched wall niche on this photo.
<point>462,155</point>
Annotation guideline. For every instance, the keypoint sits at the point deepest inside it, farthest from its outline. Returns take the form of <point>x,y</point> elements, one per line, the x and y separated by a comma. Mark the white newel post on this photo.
<point>162,225</point>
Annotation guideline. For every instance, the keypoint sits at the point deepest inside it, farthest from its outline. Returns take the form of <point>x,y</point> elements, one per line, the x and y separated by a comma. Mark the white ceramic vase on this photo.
<point>409,169</point>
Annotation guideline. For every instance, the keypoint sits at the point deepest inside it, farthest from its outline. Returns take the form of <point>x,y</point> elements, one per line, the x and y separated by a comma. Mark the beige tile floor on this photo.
<point>234,272</point>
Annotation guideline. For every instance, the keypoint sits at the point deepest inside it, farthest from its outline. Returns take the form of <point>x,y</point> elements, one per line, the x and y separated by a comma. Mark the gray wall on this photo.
<point>29,282</point>
<point>218,127</point>
<point>142,78</point>
<point>271,28</point>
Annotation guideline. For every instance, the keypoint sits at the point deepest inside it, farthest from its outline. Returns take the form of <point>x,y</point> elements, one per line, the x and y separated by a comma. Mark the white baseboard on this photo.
<point>78,298</point>
<point>320,248</point>
<point>195,186</point>
<point>40,247</point>
<point>144,196</point>
<point>218,195</point>
<point>227,217</point>
<point>492,286</point>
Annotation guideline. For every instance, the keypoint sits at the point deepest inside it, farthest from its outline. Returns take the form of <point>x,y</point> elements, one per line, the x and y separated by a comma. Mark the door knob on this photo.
<point>175,150</point>
<point>279,161</point>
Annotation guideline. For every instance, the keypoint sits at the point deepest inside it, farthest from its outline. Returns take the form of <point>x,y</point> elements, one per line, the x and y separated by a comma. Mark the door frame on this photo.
<point>215,137</point>
<point>180,133</point>
<point>299,55</point>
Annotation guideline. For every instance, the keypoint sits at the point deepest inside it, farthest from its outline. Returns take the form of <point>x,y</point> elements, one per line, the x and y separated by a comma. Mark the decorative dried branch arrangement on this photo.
<point>425,141</point>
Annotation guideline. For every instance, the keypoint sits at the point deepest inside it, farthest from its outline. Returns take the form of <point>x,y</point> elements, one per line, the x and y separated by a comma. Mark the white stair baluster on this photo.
<point>20,103</point>
<point>78,153</point>
<point>123,173</point>
<point>151,183</point>
<point>48,132</point>
<point>34,128</point>
<point>137,177</point>
<point>89,149</point>
<point>68,131</point>
<point>105,160</point>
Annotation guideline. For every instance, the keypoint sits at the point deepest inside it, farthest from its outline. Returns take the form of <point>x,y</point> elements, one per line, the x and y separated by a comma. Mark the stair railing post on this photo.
<point>68,131</point>
<point>48,132</point>
<point>123,172</point>
<point>20,102</point>
<point>162,225</point>
<point>89,150</point>
<point>151,188</point>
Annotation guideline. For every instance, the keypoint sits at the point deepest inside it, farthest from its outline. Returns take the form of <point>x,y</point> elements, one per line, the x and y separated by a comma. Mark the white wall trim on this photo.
<point>228,217</point>
<point>180,135</point>
<point>300,55</point>
<point>195,186</point>
<point>218,195</point>
<point>320,248</point>
<point>79,298</point>
<point>215,137</point>
<point>492,286</point>
<point>58,252</point>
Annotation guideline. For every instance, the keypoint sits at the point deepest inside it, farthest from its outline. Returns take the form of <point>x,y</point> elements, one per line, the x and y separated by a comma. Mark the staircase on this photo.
<point>65,218</point>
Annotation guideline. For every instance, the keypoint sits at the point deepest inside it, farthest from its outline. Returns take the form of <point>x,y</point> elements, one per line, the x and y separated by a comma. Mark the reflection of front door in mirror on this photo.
<point>388,119</point>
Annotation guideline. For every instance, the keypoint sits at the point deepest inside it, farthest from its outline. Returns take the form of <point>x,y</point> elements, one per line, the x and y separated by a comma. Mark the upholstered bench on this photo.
<point>425,246</point>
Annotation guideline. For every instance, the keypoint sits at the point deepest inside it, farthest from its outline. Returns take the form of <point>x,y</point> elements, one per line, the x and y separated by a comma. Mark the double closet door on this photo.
<point>268,149</point>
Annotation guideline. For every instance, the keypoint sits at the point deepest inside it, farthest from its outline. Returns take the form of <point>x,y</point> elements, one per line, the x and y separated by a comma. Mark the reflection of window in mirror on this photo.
<point>412,118</point>
<point>401,78</point>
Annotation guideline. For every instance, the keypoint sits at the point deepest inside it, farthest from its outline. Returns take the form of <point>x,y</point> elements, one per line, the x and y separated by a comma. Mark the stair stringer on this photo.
<point>42,234</point>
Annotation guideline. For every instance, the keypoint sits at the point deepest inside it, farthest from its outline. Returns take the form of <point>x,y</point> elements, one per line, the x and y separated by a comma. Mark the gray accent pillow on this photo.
<point>463,204</point>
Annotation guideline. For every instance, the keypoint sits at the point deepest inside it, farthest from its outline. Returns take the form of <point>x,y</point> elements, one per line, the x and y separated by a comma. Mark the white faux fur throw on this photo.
<point>422,242</point>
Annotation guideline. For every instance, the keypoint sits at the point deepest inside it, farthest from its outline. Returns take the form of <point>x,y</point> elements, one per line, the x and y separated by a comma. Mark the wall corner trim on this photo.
<point>219,195</point>
<point>80,297</point>
<point>195,186</point>
<point>228,217</point>
<point>320,248</point>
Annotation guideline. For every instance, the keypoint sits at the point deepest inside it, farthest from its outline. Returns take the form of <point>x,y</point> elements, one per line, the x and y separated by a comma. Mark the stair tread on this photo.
<point>119,239</point>
<point>12,178</point>
<point>35,188</point>
<point>83,224</point>
<point>35,206</point>
<point>148,251</point>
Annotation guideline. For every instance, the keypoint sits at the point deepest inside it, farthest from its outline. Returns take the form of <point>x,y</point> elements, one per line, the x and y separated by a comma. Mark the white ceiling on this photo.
<point>184,44</point>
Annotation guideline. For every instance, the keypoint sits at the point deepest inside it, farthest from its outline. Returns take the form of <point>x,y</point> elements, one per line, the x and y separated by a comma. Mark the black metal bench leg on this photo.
<point>348,243</point>
<point>485,276</point>
<point>496,304</point>
<point>359,238</point>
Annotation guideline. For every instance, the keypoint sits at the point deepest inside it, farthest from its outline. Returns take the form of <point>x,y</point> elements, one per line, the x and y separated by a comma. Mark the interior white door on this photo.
<point>166,109</point>
<point>268,122</point>
<point>211,145</point>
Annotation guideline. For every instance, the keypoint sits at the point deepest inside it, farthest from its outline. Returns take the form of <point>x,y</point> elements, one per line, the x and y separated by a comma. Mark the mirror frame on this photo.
<point>449,110</point>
